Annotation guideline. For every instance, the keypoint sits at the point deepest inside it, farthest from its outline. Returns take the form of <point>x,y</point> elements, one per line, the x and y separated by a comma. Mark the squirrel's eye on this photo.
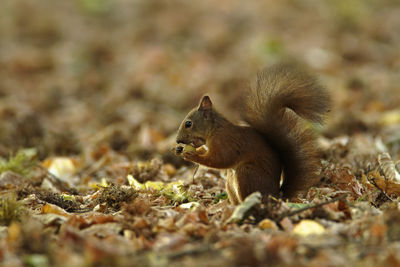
<point>188,124</point>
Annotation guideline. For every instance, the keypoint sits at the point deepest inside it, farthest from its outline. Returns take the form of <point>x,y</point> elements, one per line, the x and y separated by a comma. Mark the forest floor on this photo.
<point>93,92</point>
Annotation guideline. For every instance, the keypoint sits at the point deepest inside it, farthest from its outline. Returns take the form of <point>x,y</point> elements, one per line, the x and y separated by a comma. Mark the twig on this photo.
<point>189,252</point>
<point>294,212</point>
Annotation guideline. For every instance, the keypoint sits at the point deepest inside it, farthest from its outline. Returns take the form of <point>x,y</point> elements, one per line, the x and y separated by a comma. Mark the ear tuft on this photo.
<point>205,103</point>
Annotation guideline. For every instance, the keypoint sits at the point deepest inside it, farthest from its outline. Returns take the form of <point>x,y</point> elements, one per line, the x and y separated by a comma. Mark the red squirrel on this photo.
<point>276,140</point>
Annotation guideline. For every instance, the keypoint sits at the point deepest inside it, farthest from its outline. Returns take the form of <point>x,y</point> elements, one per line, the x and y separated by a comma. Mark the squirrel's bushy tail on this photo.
<point>275,102</point>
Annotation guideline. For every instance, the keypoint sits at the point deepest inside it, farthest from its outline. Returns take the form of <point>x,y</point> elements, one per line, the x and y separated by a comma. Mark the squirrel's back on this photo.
<point>276,102</point>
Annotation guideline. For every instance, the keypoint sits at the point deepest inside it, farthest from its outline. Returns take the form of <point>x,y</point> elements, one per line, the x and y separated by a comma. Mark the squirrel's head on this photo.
<point>197,125</point>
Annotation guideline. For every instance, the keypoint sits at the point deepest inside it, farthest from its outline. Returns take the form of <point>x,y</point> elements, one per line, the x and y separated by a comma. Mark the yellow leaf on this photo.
<point>391,117</point>
<point>50,208</point>
<point>62,167</point>
<point>154,185</point>
<point>174,190</point>
<point>68,197</point>
<point>103,182</point>
<point>134,183</point>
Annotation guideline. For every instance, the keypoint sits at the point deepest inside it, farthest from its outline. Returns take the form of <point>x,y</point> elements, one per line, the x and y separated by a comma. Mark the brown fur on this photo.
<point>276,138</point>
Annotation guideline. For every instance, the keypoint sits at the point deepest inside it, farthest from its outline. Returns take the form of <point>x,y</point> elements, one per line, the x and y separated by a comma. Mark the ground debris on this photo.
<point>114,196</point>
<point>93,92</point>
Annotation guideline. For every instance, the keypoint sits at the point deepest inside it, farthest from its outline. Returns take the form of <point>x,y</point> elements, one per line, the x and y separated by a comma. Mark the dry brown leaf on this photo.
<point>167,224</point>
<point>388,186</point>
<point>140,223</point>
<point>345,180</point>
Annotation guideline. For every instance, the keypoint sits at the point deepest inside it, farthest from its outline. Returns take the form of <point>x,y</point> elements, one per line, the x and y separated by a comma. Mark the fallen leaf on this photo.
<point>190,205</point>
<point>50,208</point>
<point>62,167</point>
<point>388,167</point>
<point>388,186</point>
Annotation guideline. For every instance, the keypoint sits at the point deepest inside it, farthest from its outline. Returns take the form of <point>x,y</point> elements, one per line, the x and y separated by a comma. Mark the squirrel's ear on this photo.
<point>205,103</point>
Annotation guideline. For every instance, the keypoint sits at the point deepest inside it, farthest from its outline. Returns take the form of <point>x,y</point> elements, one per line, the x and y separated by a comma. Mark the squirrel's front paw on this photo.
<point>188,152</point>
<point>189,155</point>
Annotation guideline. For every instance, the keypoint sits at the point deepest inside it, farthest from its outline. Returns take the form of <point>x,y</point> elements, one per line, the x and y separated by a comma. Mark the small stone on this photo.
<point>268,224</point>
<point>308,227</point>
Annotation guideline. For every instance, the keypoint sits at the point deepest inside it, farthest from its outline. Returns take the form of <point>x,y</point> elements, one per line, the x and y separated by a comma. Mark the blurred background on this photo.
<point>123,74</point>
